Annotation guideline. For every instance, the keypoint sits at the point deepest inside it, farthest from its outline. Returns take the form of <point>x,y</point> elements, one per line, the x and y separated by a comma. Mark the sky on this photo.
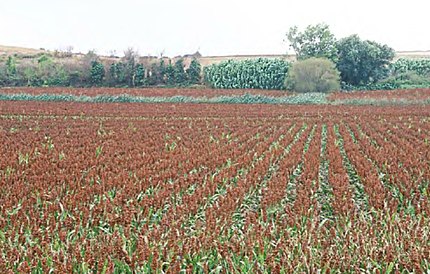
<point>217,27</point>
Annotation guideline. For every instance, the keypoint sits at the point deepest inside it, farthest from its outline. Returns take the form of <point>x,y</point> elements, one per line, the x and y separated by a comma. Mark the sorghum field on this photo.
<point>145,92</point>
<point>105,187</point>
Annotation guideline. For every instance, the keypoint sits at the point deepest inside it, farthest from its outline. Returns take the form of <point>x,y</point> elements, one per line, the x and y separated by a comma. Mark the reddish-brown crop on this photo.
<point>407,94</point>
<point>195,187</point>
<point>144,92</point>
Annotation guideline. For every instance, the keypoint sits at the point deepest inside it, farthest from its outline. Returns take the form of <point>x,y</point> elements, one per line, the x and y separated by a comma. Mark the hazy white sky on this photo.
<point>218,27</point>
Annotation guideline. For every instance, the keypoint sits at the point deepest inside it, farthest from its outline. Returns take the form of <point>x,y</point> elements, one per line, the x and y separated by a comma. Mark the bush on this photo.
<point>248,74</point>
<point>313,75</point>
<point>404,80</point>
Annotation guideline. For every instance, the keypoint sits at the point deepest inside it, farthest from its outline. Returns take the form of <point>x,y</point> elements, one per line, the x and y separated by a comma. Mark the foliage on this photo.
<point>371,86</point>
<point>308,98</point>
<point>156,73</point>
<point>169,75</point>
<point>314,41</point>
<point>3,76</point>
<point>180,77</point>
<point>194,72</point>
<point>129,60</point>
<point>97,73</point>
<point>313,75</point>
<point>362,62</point>
<point>117,73</point>
<point>139,79</point>
<point>248,74</point>
<point>406,80</point>
<point>419,66</point>
<point>10,66</point>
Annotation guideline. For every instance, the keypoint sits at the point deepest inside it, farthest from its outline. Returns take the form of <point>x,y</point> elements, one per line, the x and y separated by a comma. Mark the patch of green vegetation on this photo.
<point>305,98</point>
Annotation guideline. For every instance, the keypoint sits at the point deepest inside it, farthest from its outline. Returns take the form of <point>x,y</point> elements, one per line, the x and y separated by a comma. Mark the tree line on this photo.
<point>91,70</point>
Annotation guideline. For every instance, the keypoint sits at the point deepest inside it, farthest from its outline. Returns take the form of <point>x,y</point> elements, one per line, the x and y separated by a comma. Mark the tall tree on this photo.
<point>179,73</point>
<point>194,72</point>
<point>315,41</point>
<point>139,79</point>
<point>130,60</point>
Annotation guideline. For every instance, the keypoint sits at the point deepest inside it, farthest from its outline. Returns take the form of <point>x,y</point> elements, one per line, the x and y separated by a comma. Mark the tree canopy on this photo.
<point>315,41</point>
<point>362,62</point>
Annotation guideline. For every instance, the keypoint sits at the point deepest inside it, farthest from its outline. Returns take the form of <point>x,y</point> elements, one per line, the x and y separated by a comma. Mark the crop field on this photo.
<point>160,188</point>
<point>410,95</point>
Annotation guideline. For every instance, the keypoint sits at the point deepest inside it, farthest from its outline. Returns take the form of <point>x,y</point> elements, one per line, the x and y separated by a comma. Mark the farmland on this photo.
<point>122,187</point>
<point>419,96</point>
<point>144,92</point>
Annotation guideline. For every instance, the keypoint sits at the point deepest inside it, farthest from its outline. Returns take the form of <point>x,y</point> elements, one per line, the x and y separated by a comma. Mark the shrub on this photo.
<point>408,79</point>
<point>404,80</point>
<point>313,75</point>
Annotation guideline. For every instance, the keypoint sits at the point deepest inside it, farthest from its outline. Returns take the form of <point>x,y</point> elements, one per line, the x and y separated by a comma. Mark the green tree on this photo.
<point>10,76</point>
<point>169,75</point>
<point>363,62</point>
<point>29,75</point>
<point>117,74</point>
<point>97,73</point>
<point>194,72</point>
<point>44,68</point>
<point>11,66</point>
<point>156,73</point>
<point>314,41</point>
<point>180,77</point>
<point>140,75</point>
<point>85,67</point>
<point>313,75</point>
